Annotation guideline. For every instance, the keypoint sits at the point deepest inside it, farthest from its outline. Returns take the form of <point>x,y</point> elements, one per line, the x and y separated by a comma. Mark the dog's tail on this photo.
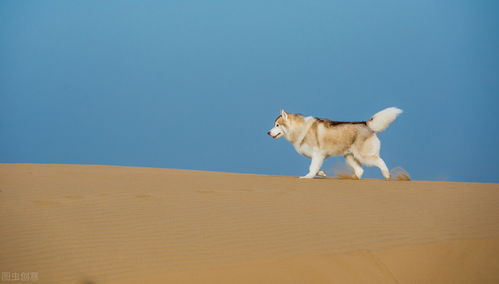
<point>382,119</point>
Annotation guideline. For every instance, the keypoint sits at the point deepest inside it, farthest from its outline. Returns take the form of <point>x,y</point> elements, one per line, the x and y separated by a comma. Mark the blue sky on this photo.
<point>196,84</point>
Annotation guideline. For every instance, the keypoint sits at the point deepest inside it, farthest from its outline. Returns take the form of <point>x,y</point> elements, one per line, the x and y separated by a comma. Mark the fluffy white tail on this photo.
<point>382,119</point>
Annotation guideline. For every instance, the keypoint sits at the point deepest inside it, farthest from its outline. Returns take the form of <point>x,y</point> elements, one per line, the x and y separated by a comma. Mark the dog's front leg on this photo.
<point>315,166</point>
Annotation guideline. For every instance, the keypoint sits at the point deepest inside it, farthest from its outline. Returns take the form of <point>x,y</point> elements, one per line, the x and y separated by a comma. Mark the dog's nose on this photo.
<point>268,133</point>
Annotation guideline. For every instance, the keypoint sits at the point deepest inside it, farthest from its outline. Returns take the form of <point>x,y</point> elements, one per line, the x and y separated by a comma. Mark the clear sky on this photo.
<point>197,84</point>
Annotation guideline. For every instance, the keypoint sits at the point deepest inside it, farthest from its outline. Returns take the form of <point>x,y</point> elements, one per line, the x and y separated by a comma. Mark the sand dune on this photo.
<point>102,224</point>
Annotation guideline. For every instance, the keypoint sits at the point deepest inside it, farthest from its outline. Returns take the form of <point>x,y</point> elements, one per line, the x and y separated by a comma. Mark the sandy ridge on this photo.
<point>102,224</point>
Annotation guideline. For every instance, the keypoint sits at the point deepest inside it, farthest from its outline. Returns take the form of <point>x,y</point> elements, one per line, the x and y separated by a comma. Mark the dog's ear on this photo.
<point>284,114</point>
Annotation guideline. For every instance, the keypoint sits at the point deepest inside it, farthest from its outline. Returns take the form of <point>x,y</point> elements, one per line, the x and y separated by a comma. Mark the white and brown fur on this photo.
<point>318,139</point>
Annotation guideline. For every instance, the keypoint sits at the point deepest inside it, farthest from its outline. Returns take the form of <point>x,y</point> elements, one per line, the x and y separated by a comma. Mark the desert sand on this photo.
<point>104,224</point>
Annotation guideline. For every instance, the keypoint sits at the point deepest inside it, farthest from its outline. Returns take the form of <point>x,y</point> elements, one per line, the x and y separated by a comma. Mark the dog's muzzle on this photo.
<point>269,133</point>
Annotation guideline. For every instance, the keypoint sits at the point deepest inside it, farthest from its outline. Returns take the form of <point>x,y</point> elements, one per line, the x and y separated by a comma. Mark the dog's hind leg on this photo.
<point>378,162</point>
<point>315,166</point>
<point>382,166</point>
<point>368,154</point>
<point>355,165</point>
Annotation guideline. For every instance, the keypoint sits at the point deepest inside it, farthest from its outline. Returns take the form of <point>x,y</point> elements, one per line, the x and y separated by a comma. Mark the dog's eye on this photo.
<point>277,125</point>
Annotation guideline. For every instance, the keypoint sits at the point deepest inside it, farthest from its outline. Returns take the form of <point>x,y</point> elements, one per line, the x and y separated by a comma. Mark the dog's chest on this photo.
<point>304,150</point>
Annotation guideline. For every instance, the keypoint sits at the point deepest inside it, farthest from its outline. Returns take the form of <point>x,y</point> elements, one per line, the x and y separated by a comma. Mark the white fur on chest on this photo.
<point>304,150</point>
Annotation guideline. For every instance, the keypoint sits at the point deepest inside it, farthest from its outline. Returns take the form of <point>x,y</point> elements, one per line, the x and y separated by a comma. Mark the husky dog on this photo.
<point>318,139</point>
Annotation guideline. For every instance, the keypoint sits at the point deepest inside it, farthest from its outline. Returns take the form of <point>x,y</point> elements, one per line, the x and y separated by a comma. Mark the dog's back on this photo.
<point>336,137</point>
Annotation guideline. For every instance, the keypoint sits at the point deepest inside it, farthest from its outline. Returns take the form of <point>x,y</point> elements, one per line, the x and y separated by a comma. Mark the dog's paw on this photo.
<point>322,173</point>
<point>307,176</point>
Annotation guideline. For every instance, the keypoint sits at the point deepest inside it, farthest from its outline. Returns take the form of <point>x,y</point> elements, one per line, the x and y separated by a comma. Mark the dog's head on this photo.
<point>281,126</point>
